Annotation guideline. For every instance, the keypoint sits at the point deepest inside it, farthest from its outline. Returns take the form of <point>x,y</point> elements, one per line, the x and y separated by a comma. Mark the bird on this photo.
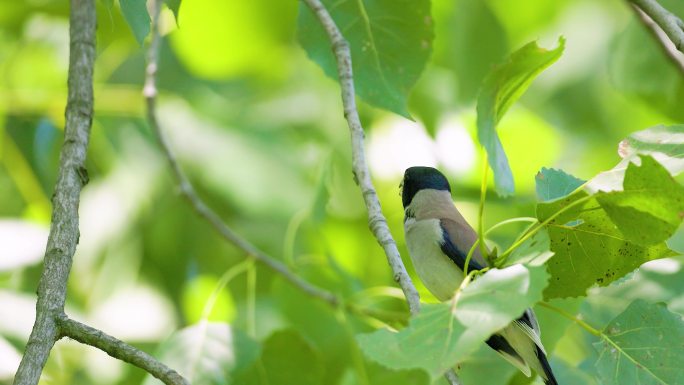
<point>438,239</point>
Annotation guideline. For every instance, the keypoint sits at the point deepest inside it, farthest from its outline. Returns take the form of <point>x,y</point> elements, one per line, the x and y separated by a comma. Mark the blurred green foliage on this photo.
<point>260,130</point>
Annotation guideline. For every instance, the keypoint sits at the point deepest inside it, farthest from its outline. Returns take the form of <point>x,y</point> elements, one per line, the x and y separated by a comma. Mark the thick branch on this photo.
<point>189,193</point>
<point>672,25</point>
<point>72,176</point>
<point>119,350</point>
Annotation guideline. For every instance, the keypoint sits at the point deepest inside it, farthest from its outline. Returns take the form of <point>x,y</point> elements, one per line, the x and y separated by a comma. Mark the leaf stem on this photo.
<point>573,318</point>
<point>509,221</point>
<point>529,234</point>
<point>483,197</point>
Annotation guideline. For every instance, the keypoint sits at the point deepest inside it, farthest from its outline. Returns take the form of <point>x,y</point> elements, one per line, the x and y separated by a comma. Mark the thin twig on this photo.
<point>670,23</point>
<point>72,177</point>
<point>376,219</point>
<point>188,191</point>
<point>120,350</point>
<point>666,44</point>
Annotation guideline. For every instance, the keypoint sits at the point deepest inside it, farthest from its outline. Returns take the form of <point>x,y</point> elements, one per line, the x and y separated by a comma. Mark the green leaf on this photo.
<point>287,359</point>
<point>664,143</point>
<point>471,58</point>
<point>650,208</point>
<point>137,17</point>
<point>443,334</point>
<point>643,345</point>
<point>589,248</point>
<point>534,251</point>
<point>390,43</point>
<point>553,184</point>
<point>174,6</point>
<point>208,353</point>
<point>501,88</point>
<point>650,75</point>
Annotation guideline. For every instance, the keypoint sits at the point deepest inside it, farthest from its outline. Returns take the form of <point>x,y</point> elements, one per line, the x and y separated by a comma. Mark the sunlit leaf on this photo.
<point>441,335</point>
<point>198,292</point>
<point>286,359</point>
<point>643,345</point>
<point>174,6</point>
<point>137,17</point>
<point>208,353</point>
<point>390,44</point>
<point>534,251</point>
<point>651,206</point>
<point>664,143</point>
<point>589,249</point>
<point>501,88</point>
<point>553,184</point>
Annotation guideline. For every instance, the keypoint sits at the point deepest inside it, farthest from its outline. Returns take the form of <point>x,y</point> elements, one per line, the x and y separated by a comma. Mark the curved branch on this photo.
<point>376,220</point>
<point>72,176</point>
<point>188,191</point>
<point>119,350</point>
<point>670,23</point>
<point>677,58</point>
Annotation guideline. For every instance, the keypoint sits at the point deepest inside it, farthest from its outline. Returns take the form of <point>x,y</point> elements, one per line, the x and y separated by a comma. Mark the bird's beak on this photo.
<point>401,187</point>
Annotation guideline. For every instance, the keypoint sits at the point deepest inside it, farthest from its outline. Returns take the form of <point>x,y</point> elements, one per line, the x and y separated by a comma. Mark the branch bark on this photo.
<point>51,323</point>
<point>119,350</point>
<point>188,191</point>
<point>670,23</point>
<point>676,57</point>
<point>71,178</point>
<point>376,219</point>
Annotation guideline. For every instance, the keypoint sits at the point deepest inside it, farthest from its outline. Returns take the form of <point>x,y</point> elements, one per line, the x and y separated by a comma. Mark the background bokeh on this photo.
<point>260,130</point>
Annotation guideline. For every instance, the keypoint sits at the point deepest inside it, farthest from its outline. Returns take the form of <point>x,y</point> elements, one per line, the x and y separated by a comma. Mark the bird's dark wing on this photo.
<point>455,254</point>
<point>462,235</point>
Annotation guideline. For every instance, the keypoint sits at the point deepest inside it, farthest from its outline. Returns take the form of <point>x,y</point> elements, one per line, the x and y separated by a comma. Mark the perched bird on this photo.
<point>438,240</point>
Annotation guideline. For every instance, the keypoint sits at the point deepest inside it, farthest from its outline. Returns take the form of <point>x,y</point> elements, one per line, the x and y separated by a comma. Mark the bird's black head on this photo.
<point>420,178</point>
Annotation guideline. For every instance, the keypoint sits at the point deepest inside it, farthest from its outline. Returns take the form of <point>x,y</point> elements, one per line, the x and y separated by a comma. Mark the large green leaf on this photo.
<point>287,359</point>
<point>390,43</point>
<point>501,88</point>
<point>137,17</point>
<point>535,251</point>
<point>664,143</point>
<point>472,58</point>
<point>208,353</point>
<point>443,334</point>
<point>639,67</point>
<point>651,206</point>
<point>553,184</point>
<point>589,248</point>
<point>643,345</point>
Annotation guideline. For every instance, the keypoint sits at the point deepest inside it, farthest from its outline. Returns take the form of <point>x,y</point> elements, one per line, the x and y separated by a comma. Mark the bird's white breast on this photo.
<point>438,273</point>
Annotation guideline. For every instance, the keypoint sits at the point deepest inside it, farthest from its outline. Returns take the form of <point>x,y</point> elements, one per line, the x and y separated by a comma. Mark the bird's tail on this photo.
<point>549,378</point>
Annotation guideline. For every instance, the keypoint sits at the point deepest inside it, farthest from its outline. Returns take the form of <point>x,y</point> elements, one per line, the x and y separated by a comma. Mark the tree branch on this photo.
<point>51,323</point>
<point>376,219</point>
<point>188,191</point>
<point>119,350</point>
<point>670,23</point>
<point>72,176</point>
<point>666,44</point>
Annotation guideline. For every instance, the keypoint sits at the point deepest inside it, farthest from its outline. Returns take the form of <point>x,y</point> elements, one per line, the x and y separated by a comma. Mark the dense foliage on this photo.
<point>574,103</point>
